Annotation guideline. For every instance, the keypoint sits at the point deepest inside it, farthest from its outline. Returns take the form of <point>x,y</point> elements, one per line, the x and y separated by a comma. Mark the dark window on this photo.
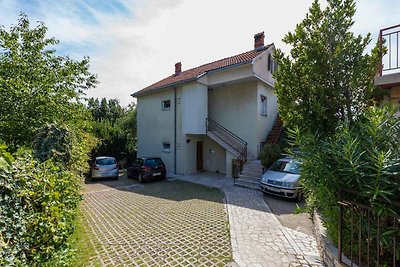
<point>264,106</point>
<point>269,62</point>
<point>166,147</point>
<point>106,161</point>
<point>166,104</point>
<point>150,163</point>
<point>159,161</point>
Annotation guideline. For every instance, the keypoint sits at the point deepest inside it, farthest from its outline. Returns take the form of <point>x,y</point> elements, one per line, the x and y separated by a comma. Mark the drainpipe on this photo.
<point>175,130</point>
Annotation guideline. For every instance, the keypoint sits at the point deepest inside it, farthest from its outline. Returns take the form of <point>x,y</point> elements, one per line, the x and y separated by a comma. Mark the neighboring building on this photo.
<point>389,74</point>
<point>206,117</point>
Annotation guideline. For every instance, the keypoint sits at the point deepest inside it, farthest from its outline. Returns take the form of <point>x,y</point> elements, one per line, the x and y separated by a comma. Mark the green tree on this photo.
<point>36,85</point>
<point>115,126</point>
<point>327,77</point>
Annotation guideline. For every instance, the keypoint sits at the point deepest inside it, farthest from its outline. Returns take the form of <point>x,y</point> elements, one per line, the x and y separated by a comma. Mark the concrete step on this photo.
<point>252,170</point>
<point>246,184</point>
<point>249,176</point>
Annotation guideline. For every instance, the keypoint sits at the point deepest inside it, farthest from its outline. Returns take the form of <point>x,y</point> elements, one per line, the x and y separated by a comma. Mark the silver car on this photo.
<point>105,167</point>
<point>282,179</point>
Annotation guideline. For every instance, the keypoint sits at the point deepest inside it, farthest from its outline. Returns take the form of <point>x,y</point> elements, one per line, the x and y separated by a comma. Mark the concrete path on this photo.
<point>257,236</point>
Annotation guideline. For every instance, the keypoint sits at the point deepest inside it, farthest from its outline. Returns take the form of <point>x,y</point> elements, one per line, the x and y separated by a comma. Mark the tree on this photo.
<point>36,85</point>
<point>327,77</point>
<point>115,126</point>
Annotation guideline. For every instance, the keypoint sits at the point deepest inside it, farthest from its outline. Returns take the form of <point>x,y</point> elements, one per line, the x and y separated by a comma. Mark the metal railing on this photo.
<point>231,139</point>
<point>366,238</point>
<point>390,38</point>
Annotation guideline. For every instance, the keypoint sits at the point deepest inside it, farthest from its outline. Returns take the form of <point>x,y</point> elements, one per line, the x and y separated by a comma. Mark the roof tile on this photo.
<point>196,72</point>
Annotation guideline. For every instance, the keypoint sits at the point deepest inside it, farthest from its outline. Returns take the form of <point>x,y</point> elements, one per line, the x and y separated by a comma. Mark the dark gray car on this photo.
<point>145,169</point>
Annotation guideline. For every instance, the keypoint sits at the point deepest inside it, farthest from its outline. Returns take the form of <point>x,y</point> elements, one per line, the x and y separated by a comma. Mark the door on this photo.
<point>199,164</point>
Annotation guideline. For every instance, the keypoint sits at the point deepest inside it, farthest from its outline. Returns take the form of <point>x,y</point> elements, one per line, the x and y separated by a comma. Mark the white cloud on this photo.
<point>131,52</point>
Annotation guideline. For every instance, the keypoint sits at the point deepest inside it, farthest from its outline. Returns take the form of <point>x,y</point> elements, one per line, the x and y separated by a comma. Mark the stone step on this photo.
<point>255,170</point>
<point>250,168</point>
<point>246,184</point>
<point>250,176</point>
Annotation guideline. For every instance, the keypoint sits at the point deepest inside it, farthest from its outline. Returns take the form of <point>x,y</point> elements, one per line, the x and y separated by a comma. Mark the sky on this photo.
<point>134,43</point>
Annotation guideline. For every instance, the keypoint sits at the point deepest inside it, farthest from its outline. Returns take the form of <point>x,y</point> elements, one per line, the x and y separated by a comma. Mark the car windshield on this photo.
<point>106,161</point>
<point>286,166</point>
<point>150,163</point>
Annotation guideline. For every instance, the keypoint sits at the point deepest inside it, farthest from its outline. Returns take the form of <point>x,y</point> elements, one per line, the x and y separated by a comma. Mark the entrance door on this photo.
<point>199,164</point>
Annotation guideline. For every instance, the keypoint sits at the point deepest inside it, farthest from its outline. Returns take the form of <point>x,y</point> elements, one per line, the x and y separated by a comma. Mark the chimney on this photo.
<point>178,68</point>
<point>259,41</point>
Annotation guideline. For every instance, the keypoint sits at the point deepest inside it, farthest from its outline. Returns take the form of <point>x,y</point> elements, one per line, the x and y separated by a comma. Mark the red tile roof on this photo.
<point>194,73</point>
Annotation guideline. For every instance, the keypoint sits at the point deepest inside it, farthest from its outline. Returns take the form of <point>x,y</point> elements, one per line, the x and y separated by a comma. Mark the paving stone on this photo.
<point>158,224</point>
<point>258,235</point>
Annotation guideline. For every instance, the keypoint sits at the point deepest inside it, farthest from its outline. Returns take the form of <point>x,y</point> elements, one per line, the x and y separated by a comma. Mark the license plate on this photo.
<point>273,189</point>
<point>157,173</point>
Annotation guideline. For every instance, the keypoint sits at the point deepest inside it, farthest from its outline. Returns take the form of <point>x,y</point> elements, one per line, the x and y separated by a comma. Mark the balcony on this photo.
<point>389,72</point>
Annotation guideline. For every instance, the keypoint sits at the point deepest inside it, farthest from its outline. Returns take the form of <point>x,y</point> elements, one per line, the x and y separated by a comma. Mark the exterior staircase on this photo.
<point>275,134</point>
<point>231,142</point>
<point>250,175</point>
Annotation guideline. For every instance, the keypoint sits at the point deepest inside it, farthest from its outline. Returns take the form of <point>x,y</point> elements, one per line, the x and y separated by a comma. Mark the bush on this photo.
<point>269,154</point>
<point>70,148</point>
<point>38,210</point>
<point>363,157</point>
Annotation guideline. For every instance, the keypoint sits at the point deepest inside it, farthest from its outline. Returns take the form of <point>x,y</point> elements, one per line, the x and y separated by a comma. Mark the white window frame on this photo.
<point>166,147</point>
<point>163,104</point>
<point>263,105</point>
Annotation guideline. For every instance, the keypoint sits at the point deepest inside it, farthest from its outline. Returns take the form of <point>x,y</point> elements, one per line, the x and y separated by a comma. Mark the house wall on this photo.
<point>155,126</point>
<point>194,108</point>
<point>213,156</point>
<point>235,108</point>
<point>265,123</point>
<point>260,65</point>
<point>227,76</point>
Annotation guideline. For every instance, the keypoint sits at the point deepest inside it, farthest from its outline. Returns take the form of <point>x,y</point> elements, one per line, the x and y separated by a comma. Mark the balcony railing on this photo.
<point>389,37</point>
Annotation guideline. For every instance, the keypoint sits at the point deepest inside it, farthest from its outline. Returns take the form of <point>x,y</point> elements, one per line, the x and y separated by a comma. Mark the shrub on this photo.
<point>269,154</point>
<point>38,204</point>
<point>363,157</point>
<point>71,148</point>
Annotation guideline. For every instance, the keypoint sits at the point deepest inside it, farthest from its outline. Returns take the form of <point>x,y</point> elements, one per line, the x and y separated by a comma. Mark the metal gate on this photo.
<point>367,238</point>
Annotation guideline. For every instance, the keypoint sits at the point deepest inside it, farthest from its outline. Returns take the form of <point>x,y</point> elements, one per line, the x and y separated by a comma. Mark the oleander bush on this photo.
<point>363,157</point>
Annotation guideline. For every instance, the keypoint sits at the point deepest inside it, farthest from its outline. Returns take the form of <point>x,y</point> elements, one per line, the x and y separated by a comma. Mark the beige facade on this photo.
<point>240,98</point>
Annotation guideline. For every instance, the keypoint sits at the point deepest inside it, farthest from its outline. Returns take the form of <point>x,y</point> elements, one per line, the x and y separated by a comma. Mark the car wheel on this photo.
<point>116,178</point>
<point>163,176</point>
<point>140,178</point>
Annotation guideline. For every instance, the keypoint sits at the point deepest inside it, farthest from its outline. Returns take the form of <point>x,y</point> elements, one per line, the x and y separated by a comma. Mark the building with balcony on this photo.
<point>389,73</point>
<point>211,116</point>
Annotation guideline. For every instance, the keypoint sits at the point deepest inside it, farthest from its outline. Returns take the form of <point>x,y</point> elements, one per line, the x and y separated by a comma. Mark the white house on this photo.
<point>206,117</point>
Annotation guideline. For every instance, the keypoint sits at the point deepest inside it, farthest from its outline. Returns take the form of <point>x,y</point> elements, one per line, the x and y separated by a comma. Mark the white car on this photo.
<point>282,179</point>
<point>105,167</point>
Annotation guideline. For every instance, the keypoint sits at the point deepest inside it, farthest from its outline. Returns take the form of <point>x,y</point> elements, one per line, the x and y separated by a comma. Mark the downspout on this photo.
<point>175,130</point>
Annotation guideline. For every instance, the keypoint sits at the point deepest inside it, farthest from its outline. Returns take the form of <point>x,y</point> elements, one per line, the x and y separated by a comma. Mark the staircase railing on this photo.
<point>234,141</point>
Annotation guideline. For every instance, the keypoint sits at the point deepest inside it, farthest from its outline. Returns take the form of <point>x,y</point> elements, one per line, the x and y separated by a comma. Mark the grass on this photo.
<point>80,243</point>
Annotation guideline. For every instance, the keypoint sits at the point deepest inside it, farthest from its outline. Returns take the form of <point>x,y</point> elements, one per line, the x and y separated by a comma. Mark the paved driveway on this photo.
<point>165,223</point>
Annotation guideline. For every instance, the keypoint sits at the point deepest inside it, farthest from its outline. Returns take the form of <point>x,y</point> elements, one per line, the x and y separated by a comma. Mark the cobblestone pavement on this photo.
<point>168,223</point>
<point>257,236</point>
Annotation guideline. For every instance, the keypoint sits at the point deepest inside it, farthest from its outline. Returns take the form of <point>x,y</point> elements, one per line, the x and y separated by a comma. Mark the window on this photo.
<point>269,63</point>
<point>167,147</point>
<point>166,104</point>
<point>272,65</point>
<point>263,110</point>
